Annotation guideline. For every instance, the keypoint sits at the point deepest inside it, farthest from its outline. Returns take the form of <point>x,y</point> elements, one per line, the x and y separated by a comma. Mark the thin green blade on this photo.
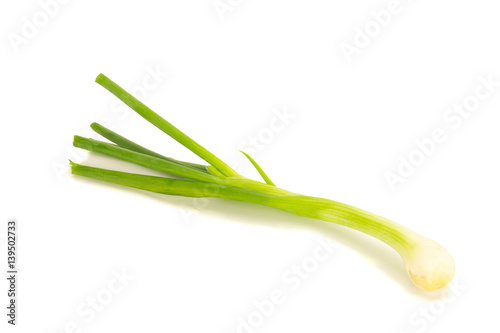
<point>147,161</point>
<point>259,169</point>
<point>130,145</point>
<point>164,125</point>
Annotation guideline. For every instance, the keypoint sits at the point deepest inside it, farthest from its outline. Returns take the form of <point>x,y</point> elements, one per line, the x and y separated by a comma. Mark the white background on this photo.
<point>201,266</point>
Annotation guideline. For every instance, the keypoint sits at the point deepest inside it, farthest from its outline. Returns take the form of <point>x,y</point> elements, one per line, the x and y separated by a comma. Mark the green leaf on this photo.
<point>147,161</point>
<point>130,145</point>
<point>259,169</point>
<point>164,125</point>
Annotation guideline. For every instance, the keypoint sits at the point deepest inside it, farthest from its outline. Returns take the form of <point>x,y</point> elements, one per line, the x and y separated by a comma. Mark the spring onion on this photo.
<point>427,263</point>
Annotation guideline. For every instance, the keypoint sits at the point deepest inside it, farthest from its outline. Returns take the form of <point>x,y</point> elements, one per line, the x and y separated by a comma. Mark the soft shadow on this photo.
<point>376,252</point>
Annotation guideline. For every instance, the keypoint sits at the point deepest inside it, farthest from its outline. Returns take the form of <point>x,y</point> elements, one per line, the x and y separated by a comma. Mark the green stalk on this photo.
<point>130,145</point>
<point>178,187</point>
<point>164,125</point>
<point>387,231</point>
<point>144,160</point>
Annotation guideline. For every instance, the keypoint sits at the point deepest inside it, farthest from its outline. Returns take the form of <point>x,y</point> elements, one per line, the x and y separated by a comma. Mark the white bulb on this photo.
<point>429,265</point>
